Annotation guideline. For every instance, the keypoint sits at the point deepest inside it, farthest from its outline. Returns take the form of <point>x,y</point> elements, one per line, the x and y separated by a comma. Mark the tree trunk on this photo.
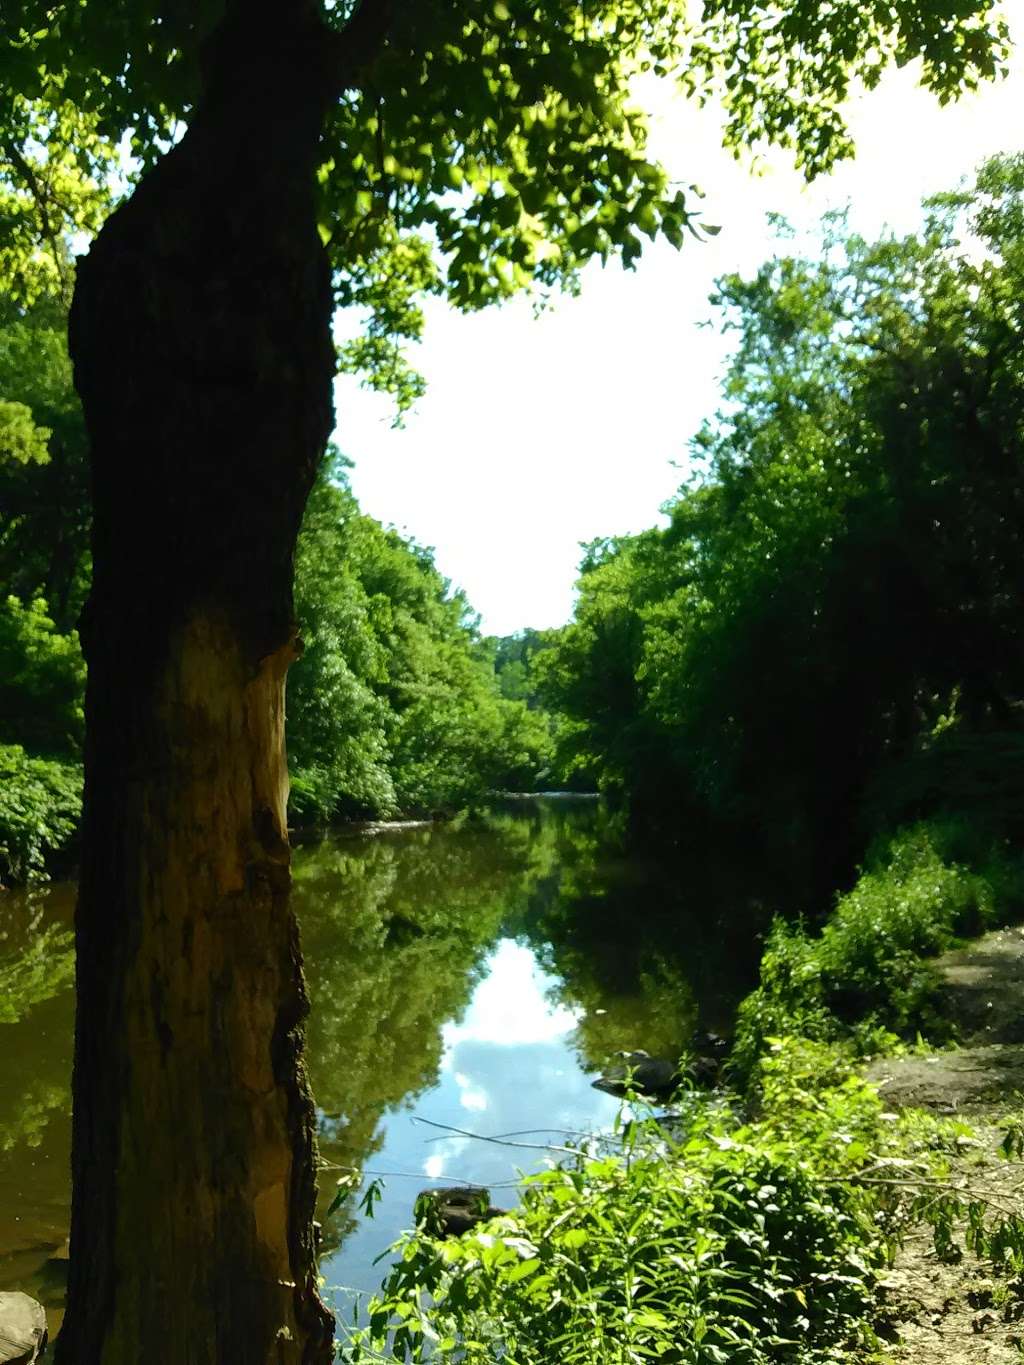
<point>201,338</point>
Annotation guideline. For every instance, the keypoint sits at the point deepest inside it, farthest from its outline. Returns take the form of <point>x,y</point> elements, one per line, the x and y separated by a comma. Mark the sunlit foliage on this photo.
<point>832,606</point>
<point>40,806</point>
<point>394,705</point>
<point>473,151</point>
<point>725,1240</point>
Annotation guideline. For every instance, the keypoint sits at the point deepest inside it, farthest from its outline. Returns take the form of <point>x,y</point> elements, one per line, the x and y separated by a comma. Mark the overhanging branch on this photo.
<point>42,199</point>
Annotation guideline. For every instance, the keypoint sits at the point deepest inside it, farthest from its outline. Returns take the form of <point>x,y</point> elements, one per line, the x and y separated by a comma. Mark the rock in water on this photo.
<point>452,1211</point>
<point>22,1329</point>
<point>652,1077</point>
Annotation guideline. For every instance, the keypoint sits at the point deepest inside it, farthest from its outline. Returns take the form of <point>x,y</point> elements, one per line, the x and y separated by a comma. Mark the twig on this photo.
<point>419,1175</point>
<point>501,1142</point>
<point>960,1191</point>
<point>526,1132</point>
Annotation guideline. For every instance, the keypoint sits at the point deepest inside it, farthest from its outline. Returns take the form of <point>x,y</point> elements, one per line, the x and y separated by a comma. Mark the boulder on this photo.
<point>657,1078</point>
<point>22,1329</point>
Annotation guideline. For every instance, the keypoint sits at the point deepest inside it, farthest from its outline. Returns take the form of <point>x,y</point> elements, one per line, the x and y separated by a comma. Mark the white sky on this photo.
<point>537,434</point>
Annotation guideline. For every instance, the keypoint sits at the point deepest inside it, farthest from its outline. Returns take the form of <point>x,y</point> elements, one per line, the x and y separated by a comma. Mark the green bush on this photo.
<point>40,806</point>
<point>868,970</point>
<point>737,1242</point>
<point>42,680</point>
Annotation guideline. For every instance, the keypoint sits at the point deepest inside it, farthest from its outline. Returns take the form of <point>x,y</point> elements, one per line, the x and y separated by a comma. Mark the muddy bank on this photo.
<point>935,1311</point>
<point>983,994</point>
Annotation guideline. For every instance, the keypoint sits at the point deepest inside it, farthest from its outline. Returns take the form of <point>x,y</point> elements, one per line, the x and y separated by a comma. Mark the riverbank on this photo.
<point>787,1197</point>
<point>802,1214</point>
<point>891,963</point>
<point>955,1309</point>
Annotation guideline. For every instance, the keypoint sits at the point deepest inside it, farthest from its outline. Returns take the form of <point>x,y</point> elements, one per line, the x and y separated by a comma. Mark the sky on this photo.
<point>539,434</point>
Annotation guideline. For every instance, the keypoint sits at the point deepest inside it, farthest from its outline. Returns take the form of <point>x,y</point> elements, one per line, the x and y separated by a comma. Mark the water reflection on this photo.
<point>646,952</point>
<point>36,1023</point>
<point>396,930</point>
<point>509,1078</point>
<point>475,974</point>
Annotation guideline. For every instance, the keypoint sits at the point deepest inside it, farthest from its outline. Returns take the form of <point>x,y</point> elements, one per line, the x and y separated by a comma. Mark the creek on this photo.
<point>473,975</point>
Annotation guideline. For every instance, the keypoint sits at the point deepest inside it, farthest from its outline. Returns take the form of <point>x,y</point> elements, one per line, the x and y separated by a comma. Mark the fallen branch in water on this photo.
<point>499,1141</point>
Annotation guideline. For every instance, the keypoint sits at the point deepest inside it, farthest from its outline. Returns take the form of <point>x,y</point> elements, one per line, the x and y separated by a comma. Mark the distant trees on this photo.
<point>393,706</point>
<point>834,607</point>
<point>519,679</point>
<point>513,662</point>
<point>44,532</point>
<point>43,578</point>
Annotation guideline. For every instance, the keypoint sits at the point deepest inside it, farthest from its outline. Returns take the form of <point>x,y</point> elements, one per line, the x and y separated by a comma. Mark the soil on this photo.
<point>933,1311</point>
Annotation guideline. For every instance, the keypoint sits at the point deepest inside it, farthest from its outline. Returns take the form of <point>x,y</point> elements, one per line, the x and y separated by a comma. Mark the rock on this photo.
<point>22,1329</point>
<point>707,1043</point>
<point>657,1078</point>
<point>654,1077</point>
<point>453,1211</point>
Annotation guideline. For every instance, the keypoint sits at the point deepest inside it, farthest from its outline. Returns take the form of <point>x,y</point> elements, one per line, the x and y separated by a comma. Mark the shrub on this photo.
<point>868,969</point>
<point>42,680</point>
<point>40,806</point>
<point>740,1243</point>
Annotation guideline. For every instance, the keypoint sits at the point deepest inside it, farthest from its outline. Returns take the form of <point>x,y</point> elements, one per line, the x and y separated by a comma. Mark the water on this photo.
<point>472,975</point>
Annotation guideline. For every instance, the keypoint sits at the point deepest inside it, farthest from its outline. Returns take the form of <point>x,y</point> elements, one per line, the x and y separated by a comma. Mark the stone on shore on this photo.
<point>22,1329</point>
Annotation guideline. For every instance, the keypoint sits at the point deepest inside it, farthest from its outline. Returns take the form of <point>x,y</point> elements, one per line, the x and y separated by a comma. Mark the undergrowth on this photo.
<point>738,1239</point>
<point>40,807</point>
<point>868,975</point>
<point>751,1231</point>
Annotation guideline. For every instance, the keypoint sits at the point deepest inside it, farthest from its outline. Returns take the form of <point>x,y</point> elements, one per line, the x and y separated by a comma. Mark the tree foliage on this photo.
<point>54,176</point>
<point>393,706</point>
<point>472,151</point>
<point>44,489</point>
<point>42,677</point>
<point>831,608</point>
<point>40,806</point>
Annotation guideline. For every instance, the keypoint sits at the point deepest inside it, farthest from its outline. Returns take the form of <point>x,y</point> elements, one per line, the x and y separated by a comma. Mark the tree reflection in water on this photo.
<point>397,927</point>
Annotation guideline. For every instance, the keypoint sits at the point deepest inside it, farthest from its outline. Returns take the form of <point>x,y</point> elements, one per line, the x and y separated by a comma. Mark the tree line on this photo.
<point>824,640</point>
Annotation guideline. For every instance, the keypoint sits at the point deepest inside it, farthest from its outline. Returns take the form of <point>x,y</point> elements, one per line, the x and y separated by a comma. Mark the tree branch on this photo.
<point>500,1142</point>
<point>255,33</point>
<point>353,49</point>
<point>41,199</point>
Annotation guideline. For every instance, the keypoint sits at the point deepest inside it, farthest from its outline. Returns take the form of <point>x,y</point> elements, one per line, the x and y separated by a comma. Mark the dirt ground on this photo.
<point>934,1312</point>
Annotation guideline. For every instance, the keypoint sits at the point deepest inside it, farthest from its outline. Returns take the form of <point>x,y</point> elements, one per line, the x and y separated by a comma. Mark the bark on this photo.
<point>200,333</point>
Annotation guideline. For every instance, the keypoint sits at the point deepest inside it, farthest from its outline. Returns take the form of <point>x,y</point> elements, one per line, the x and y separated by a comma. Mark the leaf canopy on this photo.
<point>485,147</point>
